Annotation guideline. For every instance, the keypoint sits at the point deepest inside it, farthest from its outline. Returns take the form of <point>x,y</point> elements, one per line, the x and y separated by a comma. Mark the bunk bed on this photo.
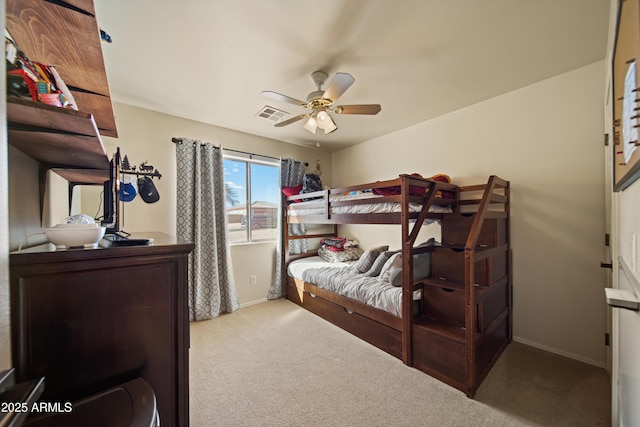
<point>452,324</point>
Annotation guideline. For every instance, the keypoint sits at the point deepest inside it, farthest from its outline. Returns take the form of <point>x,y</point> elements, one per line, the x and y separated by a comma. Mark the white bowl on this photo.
<point>76,225</point>
<point>71,237</point>
<point>79,219</point>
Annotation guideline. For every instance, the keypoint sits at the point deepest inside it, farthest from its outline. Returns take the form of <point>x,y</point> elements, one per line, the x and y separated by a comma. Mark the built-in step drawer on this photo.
<point>492,304</point>
<point>440,355</point>
<point>444,305</point>
<point>456,227</point>
<point>447,264</point>
<point>447,306</point>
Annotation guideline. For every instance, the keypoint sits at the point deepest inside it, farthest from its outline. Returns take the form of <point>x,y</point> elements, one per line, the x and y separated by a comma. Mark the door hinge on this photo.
<point>606,339</point>
<point>606,139</point>
<point>606,265</point>
<point>607,239</point>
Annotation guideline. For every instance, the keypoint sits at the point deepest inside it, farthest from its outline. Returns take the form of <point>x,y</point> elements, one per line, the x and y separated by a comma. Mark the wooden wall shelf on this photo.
<point>54,136</point>
<point>66,35</point>
<point>59,139</point>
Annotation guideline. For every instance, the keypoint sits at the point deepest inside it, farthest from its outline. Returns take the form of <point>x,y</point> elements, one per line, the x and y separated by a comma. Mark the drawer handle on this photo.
<point>312,295</point>
<point>348,311</point>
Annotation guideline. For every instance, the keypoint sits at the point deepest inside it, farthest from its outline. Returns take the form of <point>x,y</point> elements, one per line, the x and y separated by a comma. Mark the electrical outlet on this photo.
<point>252,280</point>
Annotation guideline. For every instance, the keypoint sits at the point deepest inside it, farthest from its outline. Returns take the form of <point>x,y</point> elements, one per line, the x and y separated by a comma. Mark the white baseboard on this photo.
<point>247,304</point>
<point>560,352</point>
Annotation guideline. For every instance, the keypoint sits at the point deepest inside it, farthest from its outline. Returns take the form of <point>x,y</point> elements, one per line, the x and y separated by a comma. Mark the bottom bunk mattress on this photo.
<point>343,279</point>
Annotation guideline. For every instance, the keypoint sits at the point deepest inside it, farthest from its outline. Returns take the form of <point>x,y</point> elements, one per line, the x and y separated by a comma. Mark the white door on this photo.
<point>625,378</point>
<point>628,352</point>
<point>623,224</point>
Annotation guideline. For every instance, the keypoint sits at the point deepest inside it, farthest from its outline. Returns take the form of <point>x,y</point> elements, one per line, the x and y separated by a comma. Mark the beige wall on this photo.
<point>146,135</point>
<point>547,140</point>
<point>26,221</point>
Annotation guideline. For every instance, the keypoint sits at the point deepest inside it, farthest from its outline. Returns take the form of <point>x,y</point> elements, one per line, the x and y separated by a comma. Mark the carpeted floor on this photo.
<point>275,364</point>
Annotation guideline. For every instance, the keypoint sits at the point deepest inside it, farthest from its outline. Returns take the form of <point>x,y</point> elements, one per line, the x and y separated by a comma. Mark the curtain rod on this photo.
<point>250,154</point>
<point>178,140</point>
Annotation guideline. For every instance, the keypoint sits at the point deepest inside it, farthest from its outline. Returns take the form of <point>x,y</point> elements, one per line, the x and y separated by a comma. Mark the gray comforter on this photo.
<point>368,290</point>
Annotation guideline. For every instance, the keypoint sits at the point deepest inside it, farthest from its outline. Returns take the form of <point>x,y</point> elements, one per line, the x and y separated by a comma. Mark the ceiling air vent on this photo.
<point>271,113</point>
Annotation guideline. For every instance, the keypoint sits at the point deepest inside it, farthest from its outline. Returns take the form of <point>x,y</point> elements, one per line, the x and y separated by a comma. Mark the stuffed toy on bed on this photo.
<point>443,178</point>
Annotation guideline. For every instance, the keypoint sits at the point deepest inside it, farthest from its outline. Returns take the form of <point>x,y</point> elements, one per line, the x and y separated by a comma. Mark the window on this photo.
<point>253,194</point>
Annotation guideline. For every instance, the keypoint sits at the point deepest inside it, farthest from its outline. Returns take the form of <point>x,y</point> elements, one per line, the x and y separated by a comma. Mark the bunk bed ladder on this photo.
<point>409,237</point>
<point>488,197</point>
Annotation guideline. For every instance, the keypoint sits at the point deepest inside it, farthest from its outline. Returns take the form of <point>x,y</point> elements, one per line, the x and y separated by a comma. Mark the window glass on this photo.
<point>252,196</point>
<point>264,201</point>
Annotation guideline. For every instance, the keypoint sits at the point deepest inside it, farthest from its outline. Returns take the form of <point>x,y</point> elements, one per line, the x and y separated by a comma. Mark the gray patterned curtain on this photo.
<point>291,174</point>
<point>201,218</point>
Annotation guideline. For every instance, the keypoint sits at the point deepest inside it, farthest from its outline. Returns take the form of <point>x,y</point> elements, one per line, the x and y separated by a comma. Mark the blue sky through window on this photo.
<point>264,181</point>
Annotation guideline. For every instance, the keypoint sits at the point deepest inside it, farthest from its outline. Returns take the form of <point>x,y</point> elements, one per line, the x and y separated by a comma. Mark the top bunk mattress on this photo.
<point>318,207</point>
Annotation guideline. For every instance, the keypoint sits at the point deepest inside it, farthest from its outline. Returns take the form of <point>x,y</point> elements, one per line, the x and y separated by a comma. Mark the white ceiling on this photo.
<point>209,60</point>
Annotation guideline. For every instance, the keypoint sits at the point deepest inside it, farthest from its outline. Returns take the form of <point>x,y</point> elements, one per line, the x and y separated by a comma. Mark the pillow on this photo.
<point>379,263</point>
<point>395,276</point>
<point>430,242</point>
<point>349,254</point>
<point>292,191</point>
<point>422,262</point>
<point>394,261</point>
<point>381,248</point>
<point>421,269</point>
<point>368,258</point>
<point>421,266</point>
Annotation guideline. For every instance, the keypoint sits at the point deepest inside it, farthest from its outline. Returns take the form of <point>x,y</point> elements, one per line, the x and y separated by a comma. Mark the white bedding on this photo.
<point>384,207</point>
<point>339,278</point>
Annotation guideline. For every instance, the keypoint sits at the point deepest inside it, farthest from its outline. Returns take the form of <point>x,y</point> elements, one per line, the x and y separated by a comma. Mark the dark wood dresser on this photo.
<point>89,319</point>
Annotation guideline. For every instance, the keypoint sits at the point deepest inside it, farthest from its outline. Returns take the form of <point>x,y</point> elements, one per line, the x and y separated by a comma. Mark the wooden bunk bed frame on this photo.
<point>464,319</point>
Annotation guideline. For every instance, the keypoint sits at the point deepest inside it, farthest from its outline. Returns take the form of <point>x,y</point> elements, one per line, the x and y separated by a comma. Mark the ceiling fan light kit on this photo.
<point>320,120</point>
<point>321,102</point>
<point>325,122</point>
<point>311,125</point>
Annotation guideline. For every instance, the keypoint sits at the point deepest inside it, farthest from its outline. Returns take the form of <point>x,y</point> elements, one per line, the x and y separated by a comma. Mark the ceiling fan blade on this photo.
<point>284,98</point>
<point>339,84</point>
<point>291,120</point>
<point>358,109</point>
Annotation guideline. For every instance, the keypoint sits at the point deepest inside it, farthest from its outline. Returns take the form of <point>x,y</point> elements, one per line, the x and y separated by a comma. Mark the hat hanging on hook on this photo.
<point>128,188</point>
<point>148,190</point>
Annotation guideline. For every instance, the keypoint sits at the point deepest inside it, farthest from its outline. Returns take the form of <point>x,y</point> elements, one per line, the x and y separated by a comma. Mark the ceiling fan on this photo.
<point>321,102</point>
